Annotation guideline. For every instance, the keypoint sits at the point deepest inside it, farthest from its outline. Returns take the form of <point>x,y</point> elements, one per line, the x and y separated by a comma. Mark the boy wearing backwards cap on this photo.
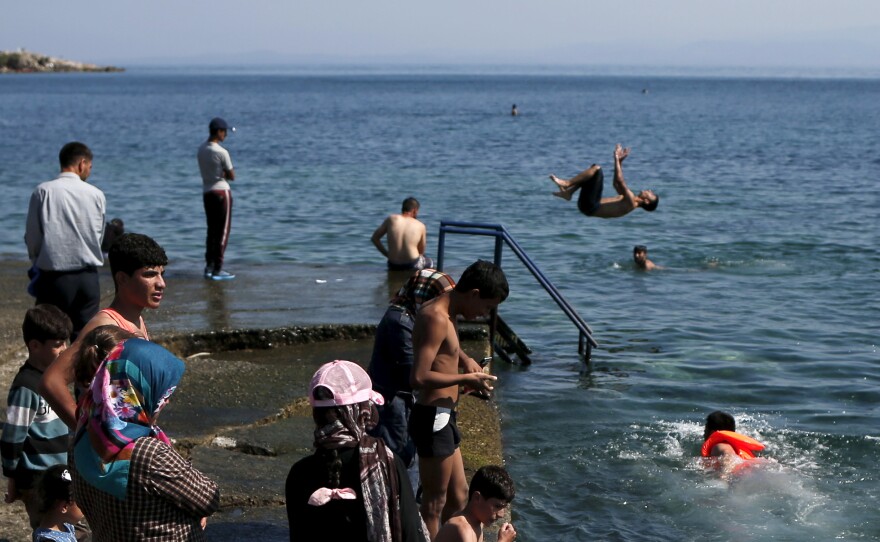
<point>216,168</point>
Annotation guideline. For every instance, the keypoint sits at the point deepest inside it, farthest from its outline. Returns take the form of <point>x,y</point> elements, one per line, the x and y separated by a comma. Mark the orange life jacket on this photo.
<point>743,445</point>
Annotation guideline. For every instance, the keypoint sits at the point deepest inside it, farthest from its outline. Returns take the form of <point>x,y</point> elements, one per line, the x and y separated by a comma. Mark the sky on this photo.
<point>841,33</point>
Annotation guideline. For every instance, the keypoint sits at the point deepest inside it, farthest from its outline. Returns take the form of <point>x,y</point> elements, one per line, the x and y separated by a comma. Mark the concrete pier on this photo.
<point>251,346</point>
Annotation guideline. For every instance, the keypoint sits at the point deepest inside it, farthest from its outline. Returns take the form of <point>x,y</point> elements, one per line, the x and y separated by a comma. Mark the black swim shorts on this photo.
<point>590,198</point>
<point>433,430</point>
<point>419,263</point>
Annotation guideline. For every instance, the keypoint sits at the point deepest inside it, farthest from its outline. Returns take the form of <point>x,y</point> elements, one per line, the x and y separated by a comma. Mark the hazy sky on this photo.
<point>686,32</point>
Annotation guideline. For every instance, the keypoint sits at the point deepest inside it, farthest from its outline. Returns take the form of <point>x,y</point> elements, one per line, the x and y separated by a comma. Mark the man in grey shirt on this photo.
<point>65,226</point>
<point>215,166</point>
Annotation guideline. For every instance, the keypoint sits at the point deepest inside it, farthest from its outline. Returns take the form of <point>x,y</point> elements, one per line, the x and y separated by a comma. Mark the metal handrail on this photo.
<point>502,236</point>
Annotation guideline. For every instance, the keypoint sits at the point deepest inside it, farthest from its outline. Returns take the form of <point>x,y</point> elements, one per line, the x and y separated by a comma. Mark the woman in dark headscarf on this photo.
<point>128,480</point>
<point>350,488</point>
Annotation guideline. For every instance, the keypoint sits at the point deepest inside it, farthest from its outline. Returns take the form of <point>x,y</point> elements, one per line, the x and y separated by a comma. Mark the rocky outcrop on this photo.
<point>22,61</point>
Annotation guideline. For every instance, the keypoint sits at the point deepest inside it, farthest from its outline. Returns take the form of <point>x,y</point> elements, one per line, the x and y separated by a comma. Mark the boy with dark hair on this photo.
<point>137,263</point>
<point>435,373</point>
<point>33,437</point>
<point>640,257</point>
<point>489,496</point>
<point>589,182</point>
<point>487,278</point>
<point>721,439</point>
<point>133,251</point>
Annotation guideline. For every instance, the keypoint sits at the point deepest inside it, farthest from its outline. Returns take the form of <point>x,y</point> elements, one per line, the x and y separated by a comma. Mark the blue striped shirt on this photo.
<point>34,438</point>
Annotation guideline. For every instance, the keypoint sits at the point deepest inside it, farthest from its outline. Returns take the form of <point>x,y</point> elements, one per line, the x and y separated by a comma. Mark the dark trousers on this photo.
<point>591,194</point>
<point>392,428</point>
<point>76,293</point>
<point>218,212</point>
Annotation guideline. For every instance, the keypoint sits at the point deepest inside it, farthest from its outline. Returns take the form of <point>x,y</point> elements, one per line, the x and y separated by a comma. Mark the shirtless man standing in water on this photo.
<point>435,375</point>
<point>591,202</point>
<point>407,239</point>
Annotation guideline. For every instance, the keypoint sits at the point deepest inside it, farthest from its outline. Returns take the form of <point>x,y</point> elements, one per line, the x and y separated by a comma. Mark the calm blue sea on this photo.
<point>767,227</point>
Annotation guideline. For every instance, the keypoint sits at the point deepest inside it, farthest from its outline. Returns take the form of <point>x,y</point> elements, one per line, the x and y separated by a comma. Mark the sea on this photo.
<point>767,305</point>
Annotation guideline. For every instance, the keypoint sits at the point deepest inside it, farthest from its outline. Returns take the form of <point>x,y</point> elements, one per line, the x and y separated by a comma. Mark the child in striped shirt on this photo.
<point>33,437</point>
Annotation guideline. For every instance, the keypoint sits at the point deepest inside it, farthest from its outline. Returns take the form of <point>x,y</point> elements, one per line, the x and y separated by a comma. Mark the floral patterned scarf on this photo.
<point>128,392</point>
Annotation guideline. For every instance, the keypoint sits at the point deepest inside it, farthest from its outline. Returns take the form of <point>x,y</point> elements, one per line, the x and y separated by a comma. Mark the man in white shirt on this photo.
<point>216,168</point>
<point>63,234</point>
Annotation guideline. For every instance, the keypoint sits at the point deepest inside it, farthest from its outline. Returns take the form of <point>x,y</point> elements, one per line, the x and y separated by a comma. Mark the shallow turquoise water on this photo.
<point>768,226</point>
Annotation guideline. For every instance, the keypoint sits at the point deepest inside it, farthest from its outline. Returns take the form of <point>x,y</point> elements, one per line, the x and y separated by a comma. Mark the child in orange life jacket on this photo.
<point>722,440</point>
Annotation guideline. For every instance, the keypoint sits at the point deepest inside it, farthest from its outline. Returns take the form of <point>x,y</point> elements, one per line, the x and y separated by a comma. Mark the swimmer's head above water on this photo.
<point>718,421</point>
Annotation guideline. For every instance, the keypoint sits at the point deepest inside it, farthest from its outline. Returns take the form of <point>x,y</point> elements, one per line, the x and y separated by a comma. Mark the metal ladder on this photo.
<point>585,335</point>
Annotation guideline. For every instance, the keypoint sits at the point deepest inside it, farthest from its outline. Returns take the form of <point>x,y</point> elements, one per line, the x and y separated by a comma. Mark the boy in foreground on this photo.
<point>137,264</point>
<point>33,438</point>
<point>435,374</point>
<point>489,496</point>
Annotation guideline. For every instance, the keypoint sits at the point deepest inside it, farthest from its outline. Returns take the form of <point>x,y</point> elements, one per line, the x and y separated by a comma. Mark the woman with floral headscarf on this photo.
<point>352,488</point>
<point>128,480</point>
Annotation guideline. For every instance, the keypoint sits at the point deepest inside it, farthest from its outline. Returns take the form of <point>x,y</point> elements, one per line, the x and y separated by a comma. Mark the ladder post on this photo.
<point>441,245</point>
<point>499,244</point>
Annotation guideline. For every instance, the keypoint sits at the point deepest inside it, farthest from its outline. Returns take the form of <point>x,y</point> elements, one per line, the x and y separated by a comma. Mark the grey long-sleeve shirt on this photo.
<point>65,224</point>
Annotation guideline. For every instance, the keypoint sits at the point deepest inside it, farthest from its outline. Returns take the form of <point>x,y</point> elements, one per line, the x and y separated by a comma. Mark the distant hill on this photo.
<point>22,61</point>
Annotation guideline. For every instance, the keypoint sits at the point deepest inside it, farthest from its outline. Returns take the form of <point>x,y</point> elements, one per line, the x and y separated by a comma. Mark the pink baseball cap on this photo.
<point>348,383</point>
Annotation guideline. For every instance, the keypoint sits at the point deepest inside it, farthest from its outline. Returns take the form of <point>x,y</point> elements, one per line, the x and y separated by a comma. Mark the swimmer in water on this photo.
<point>722,441</point>
<point>640,257</point>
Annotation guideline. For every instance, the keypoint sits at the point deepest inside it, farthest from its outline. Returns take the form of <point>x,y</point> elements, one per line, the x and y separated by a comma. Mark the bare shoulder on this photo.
<point>98,320</point>
<point>436,311</point>
<point>457,529</point>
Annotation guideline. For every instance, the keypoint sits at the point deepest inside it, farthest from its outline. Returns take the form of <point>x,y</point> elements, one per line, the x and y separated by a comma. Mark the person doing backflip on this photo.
<point>591,202</point>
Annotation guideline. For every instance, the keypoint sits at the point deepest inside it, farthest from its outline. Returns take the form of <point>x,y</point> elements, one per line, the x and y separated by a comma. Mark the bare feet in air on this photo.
<point>564,194</point>
<point>559,182</point>
<point>620,153</point>
<point>564,186</point>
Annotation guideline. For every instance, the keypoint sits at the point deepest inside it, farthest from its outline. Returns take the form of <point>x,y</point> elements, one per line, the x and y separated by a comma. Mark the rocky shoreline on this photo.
<point>22,61</point>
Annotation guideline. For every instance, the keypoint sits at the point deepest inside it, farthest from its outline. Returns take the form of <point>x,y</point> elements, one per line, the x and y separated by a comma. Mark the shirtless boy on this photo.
<point>488,497</point>
<point>137,264</point>
<point>591,202</point>
<point>640,258</point>
<point>407,239</point>
<point>436,377</point>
